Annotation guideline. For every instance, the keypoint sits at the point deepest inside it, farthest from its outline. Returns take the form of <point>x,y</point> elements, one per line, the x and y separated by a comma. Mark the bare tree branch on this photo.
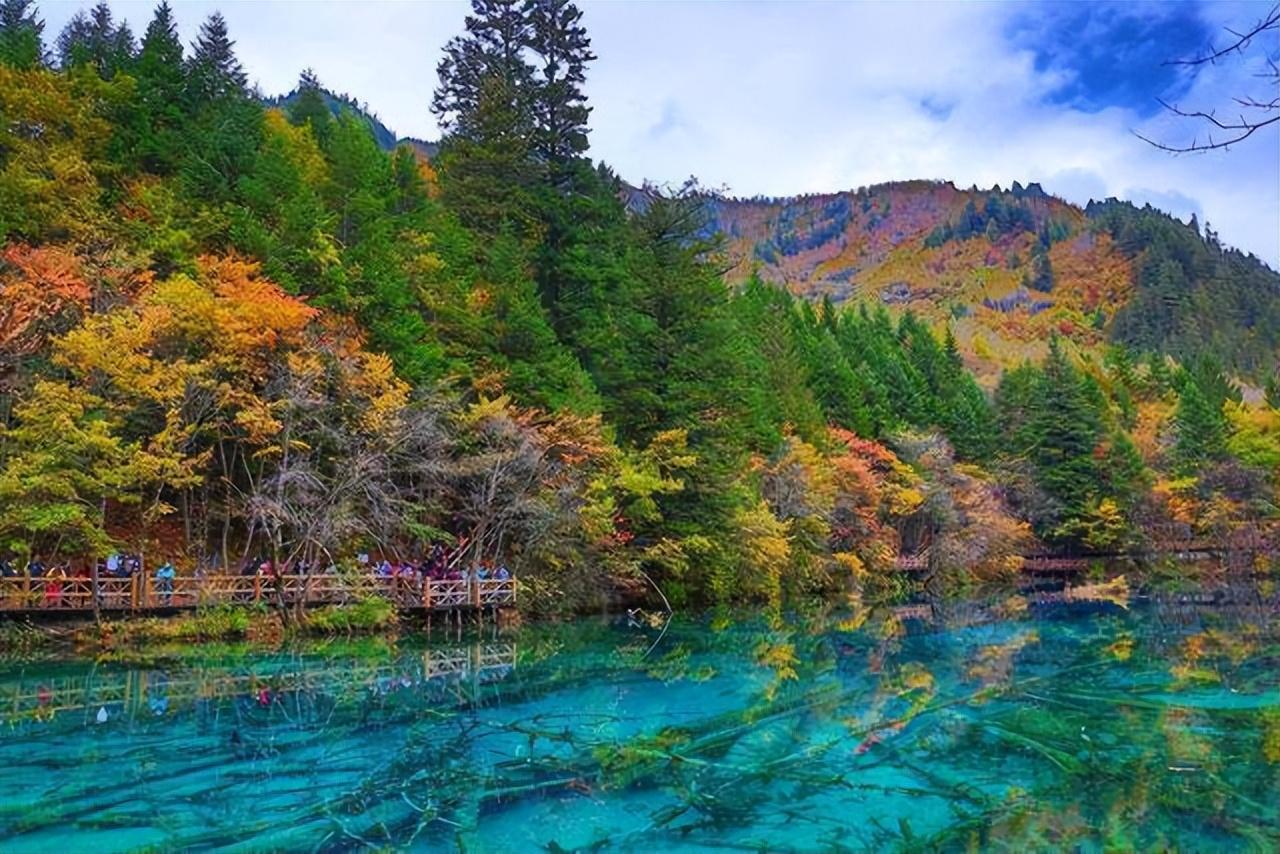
<point>1270,22</point>
<point>1246,131</point>
<point>1258,112</point>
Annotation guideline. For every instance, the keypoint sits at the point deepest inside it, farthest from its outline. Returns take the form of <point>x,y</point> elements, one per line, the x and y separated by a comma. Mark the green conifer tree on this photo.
<point>96,39</point>
<point>162,85</point>
<point>563,50</point>
<point>1201,430</point>
<point>21,35</point>
<point>309,108</point>
<point>215,71</point>
<point>1058,435</point>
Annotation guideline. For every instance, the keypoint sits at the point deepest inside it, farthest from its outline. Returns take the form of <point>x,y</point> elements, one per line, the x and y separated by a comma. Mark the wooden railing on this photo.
<point>145,593</point>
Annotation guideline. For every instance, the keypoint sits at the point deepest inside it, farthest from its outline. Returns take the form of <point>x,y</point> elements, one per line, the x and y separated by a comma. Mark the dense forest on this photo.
<point>231,325</point>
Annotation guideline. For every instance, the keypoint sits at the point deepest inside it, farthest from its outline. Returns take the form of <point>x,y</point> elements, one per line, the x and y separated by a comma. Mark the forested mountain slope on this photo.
<point>1009,267</point>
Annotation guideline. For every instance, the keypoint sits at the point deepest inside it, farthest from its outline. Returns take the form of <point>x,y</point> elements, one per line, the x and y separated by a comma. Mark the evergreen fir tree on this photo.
<point>96,39</point>
<point>488,177</point>
<point>162,84</point>
<point>1201,430</point>
<point>484,102</point>
<point>310,108</point>
<point>955,364</point>
<point>411,186</point>
<point>225,128</point>
<point>767,315</point>
<point>486,62</point>
<point>559,40</point>
<point>1058,434</point>
<point>215,71</point>
<point>1126,474</point>
<point>540,371</point>
<point>1206,372</point>
<point>21,35</point>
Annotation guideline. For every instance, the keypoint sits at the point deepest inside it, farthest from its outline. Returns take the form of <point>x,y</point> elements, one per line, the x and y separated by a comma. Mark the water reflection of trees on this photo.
<point>132,692</point>
<point>1002,726</point>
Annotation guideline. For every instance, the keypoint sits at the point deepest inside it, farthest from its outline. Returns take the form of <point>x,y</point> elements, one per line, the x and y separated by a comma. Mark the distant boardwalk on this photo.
<point>1240,550</point>
<point>142,594</point>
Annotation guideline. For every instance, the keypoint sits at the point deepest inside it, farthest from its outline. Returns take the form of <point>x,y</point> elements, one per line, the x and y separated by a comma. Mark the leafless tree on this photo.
<point>1251,113</point>
<point>329,481</point>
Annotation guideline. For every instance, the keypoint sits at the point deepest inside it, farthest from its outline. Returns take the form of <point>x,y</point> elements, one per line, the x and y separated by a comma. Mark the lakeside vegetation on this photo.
<point>230,329</point>
<point>137,638</point>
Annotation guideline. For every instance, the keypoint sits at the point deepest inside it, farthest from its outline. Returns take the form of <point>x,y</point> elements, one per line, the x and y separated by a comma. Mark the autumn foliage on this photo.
<point>229,332</point>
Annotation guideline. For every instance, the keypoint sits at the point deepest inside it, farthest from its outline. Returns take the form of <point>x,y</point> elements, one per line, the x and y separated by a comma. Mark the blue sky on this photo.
<point>784,98</point>
<point>1112,54</point>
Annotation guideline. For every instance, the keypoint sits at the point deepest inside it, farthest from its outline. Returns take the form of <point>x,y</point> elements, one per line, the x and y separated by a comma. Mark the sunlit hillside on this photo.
<point>1008,268</point>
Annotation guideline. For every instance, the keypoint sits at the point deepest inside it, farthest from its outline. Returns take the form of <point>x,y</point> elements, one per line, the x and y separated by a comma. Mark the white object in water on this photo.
<point>102,714</point>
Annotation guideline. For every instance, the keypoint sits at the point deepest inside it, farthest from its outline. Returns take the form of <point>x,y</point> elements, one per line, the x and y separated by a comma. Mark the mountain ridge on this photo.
<point>1009,268</point>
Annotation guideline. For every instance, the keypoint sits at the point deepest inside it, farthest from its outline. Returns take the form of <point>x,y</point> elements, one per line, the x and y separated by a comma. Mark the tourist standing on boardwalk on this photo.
<point>53,586</point>
<point>164,582</point>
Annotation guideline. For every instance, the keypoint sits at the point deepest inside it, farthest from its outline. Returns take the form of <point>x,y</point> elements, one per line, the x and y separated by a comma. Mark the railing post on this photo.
<point>475,591</point>
<point>426,593</point>
<point>257,587</point>
<point>26,589</point>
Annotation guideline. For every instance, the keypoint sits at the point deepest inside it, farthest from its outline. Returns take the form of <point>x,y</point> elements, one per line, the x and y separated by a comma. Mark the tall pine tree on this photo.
<point>559,40</point>
<point>487,61</point>
<point>162,87</point>
<point>1201,429</point>
<point>21,35</point>
<point>215,71</point>
<point>1058,435</point>
<point>96,39</point>
<point>309,107</point>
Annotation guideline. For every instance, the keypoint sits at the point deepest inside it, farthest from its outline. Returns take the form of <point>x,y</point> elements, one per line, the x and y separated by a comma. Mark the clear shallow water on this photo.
<point>1090,728</point>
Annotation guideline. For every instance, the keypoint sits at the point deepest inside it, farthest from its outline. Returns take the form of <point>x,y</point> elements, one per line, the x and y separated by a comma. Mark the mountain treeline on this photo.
<point>1194,296</point>
<point>1013,267</point>
<point>231,330</point>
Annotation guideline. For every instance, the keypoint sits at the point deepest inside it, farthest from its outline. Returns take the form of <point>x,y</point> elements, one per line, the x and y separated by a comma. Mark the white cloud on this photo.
<point>795,97</point>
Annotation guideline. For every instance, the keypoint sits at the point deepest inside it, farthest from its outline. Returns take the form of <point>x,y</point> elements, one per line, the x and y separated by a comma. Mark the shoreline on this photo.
<point>144,638</point>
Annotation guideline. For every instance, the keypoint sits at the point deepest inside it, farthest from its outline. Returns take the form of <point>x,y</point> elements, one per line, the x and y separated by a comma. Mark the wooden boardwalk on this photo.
<point>1031,565</point>
<point>144,594</point>
<point>1052,564</point>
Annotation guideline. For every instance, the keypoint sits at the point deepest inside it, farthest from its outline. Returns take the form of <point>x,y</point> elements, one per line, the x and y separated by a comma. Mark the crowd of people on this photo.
<point>439,564</point>
<point>47,581</point>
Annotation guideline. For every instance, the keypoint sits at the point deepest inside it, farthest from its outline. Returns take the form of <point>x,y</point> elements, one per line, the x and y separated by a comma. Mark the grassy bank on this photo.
<point>21,641</point>
<point>236,623</point>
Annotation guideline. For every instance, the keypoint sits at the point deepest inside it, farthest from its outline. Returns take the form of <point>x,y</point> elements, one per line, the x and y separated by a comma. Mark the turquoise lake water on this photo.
<point>1086,727</point>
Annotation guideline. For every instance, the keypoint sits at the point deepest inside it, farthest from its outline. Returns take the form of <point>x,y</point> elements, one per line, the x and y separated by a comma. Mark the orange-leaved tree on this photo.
<point>43,292</point>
